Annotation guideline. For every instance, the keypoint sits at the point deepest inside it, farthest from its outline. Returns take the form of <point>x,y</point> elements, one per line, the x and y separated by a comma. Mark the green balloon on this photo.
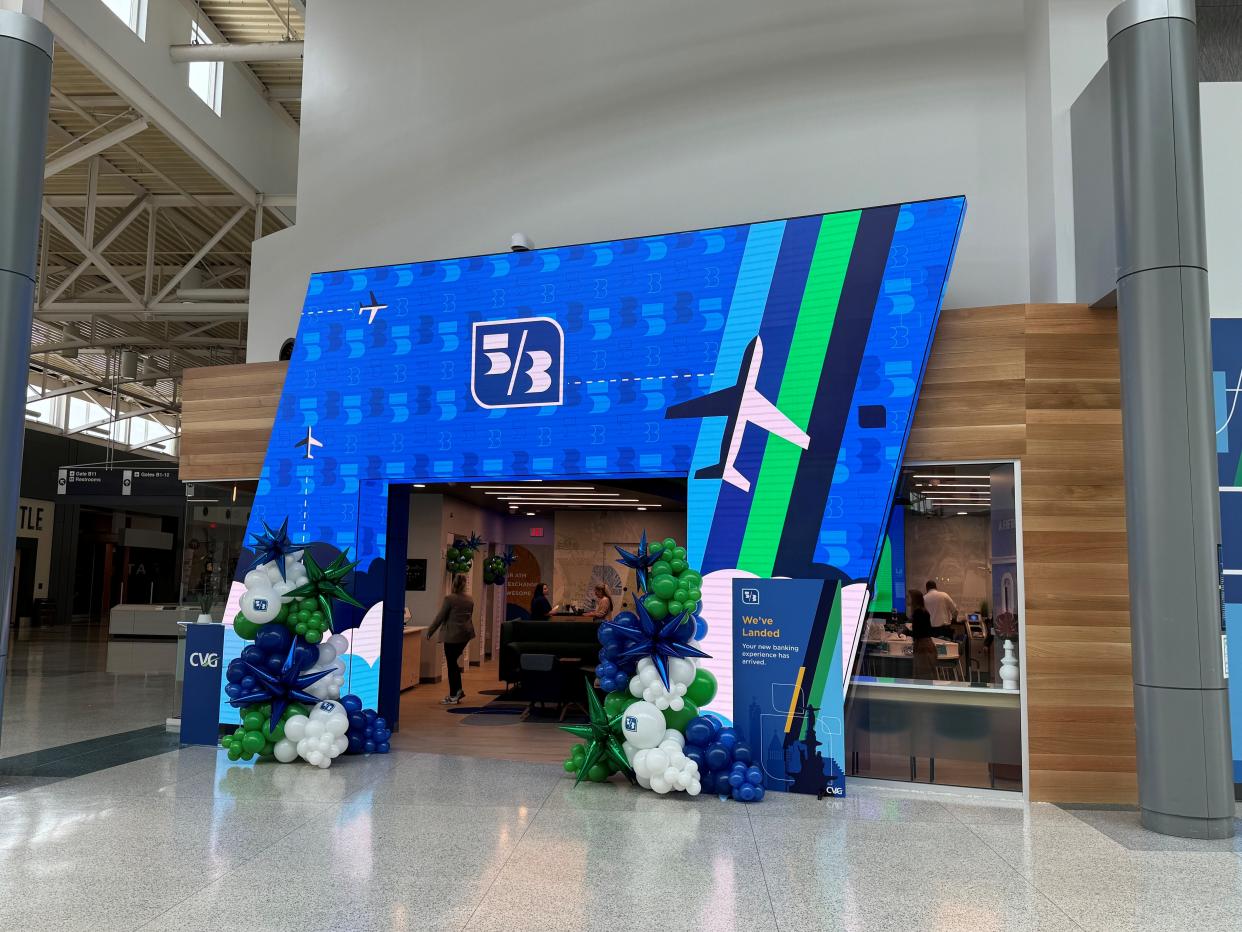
<point>317,617</point>
<point>244,628</point>
<point>692,579</point>
<point>661,568</point>
<point>675,607</point>
<point>664,586</point>
<point>694,595</point>
<point>303,617</point>
<point>679,553</point>
<point>678,566</point>
<point>453,554</point>
<point>617,702</point>
<point>669,543</point>
<point>273,734</point>
<point>569,765</point>
<point>235,752</point>
<point>657,608</point>
<point>655,547</point>
<point>252,721</point>
<point>253,742</point>
<point>682,594</point>
<point>313,636</point>
<point>703,689</point>
<point>294,708</point>
<point>300,628</point>
<point>597,774</point>
<point>679,720</point>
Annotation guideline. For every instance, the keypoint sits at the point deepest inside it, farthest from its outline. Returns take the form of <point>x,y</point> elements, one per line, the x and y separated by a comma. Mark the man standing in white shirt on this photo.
<point>941,608</point>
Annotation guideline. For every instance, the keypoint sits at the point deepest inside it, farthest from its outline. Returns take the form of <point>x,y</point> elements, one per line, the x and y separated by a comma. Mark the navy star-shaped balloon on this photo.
<point>280,689</point>
<point>475,541</point>
<point>640,562</point>
<point>271,547</point>
<point>659,641</point>
<point>508,556</point>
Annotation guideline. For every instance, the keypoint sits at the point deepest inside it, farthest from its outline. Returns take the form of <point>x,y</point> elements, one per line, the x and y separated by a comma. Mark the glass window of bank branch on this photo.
<point>934,695</point>
<point>215,533</point>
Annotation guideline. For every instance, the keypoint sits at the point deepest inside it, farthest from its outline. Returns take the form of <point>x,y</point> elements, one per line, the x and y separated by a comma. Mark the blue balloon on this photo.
<point>380,723</point>
<point>699,731</point>
<point>606,669</point>
<point>607,634</point>
<point>759,792</point>
<point>627,619</point>
<point>754,775</point>
<point>720,783</point>
<point>251,654</point>
<point>746,792</point>
<point>355,744</point>
<point>696,754</point>
<point>727,737</point>
<point>247,682</point>
<point>370,714</point>
<point>368,746</point>
<point>357,721</point>
<point>235,672</point>
<point>351,703</point>
<point>700,628</point>
<point>234,690</point>
<point>717,758</point>
<point>741,752</point>
<point>305,656</point>
<point>381,748</point>
<point>737,779</point>
<point>274,638</point>
<point>275,663</point>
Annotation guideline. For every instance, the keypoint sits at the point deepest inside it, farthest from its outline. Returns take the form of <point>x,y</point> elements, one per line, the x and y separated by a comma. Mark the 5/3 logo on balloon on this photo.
<point>517,363</point>
<point>201,659</point>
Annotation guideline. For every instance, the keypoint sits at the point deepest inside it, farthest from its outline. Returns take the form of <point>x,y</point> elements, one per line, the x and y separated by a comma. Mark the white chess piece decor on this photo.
<point>1009,667</point>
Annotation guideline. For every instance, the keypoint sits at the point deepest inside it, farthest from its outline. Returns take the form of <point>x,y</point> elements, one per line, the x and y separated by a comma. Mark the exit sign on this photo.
<point>536,532</point>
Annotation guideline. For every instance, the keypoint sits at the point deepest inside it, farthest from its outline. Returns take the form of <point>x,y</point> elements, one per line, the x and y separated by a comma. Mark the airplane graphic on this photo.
<point>310,443</point>
<point>374,307</point>
<point>742,404</point>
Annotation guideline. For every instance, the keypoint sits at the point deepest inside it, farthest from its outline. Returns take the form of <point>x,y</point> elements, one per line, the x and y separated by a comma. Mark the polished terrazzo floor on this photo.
<point>185,840</point>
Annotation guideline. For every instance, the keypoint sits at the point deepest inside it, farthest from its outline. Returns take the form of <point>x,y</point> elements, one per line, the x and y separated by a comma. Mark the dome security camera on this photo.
<point>520,242</point>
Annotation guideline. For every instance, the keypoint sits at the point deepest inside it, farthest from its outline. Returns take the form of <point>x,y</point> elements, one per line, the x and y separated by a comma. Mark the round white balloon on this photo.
<point>285,751</point>
<point>643,725</point>
<point>295,727</point>
<point>260,604</point>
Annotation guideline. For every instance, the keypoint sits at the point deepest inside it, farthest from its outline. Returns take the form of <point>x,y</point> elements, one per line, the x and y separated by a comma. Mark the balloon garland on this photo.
<point>287,682</point>
<point>459,559</point>
<point>655,691</point>
<point>496,567</point>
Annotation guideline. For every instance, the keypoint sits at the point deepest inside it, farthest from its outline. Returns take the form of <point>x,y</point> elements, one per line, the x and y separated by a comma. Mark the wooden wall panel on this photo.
<point>1036,383</point>
<point>226,419</point>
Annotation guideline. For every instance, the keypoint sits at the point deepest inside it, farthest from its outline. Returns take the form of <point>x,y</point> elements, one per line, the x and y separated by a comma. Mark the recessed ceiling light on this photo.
<point>420,485</point>
<point>948,476</point>
<point>642,507</point>
<point>961,512</point>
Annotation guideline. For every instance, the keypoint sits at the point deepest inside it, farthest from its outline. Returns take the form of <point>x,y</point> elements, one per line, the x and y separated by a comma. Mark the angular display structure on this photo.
<point>1227,388</point>
<point>776,365</point>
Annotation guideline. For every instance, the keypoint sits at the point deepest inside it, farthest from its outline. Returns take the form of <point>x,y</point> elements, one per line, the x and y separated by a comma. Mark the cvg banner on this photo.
<point>788,698</point>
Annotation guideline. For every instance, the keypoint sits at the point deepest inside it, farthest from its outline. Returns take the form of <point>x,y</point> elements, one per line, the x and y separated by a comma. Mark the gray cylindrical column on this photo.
<point>1181,703</point>
<point>25,88</point>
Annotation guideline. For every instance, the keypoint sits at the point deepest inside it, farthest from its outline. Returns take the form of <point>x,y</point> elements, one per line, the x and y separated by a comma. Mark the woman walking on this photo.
<point>456,618</point>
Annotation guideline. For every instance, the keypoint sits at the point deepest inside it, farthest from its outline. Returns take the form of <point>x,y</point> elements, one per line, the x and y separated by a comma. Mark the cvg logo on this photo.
<point>201,659</point>
<point>517,363</point>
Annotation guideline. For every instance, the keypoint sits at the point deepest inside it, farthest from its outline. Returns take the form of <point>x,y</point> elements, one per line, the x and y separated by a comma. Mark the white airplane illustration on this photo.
<point>374,307</point>
<point>310,443</point>
<point>742,404</point>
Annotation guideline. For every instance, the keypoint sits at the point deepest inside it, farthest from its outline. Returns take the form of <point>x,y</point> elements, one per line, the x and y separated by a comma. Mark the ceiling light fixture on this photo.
<point>919,475</point>
<point>530,514</point>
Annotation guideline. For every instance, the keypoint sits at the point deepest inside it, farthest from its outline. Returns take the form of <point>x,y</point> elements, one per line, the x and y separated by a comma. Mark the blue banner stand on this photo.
<point>200,690</point>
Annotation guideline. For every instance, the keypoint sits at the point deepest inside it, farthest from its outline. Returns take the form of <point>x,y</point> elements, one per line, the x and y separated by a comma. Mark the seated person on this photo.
<point>603,605</point>
<point>540,607</point>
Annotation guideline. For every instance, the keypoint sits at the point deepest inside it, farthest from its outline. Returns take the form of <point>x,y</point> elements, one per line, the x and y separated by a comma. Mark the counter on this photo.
<point>413,646</point>
<point>149,621</point>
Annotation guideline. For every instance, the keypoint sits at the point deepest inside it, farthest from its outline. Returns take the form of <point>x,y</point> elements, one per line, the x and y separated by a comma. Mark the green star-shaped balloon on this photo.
<point>601,738</point>
<point>323,584</point>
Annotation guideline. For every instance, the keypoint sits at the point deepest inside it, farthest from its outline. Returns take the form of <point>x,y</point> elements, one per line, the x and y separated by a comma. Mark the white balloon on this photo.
<point>673,734</point>
<point>281,587</point>
<point>260,604</point>
<point>315,757</point>
<point>315,728</point>
<point>255,578</point>
<point>327,654</point>
<point>657,761</point>
<point>285,751</point>
<point>694,788</point>
<point>295,727</point>
<point>339,643</point>
<point>660,785</point>
<point>643,725</point>
<point>636,687</point>
<point>681,670</point>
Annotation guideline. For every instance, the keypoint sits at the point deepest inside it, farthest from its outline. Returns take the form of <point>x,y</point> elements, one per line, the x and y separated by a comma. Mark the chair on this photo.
<point>541,681</point>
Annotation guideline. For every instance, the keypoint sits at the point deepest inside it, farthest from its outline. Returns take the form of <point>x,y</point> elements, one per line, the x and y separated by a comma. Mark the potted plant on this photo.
<point>205,600</point>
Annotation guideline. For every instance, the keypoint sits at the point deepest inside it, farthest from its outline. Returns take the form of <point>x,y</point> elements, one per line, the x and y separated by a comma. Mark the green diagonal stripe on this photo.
<point>798,387</point>
<point>827,647</point>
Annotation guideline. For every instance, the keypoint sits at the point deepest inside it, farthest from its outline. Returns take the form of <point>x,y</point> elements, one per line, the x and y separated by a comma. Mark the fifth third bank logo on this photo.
<point>518,363</point>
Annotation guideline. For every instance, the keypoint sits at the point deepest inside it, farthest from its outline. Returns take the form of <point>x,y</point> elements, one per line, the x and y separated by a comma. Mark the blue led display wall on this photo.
<point>776,365</point>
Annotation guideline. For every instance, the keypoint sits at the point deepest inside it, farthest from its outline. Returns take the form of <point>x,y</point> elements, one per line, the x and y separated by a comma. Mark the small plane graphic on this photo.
<point>310,443</point>
<point>374,307</point>
<point>742,404</point>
